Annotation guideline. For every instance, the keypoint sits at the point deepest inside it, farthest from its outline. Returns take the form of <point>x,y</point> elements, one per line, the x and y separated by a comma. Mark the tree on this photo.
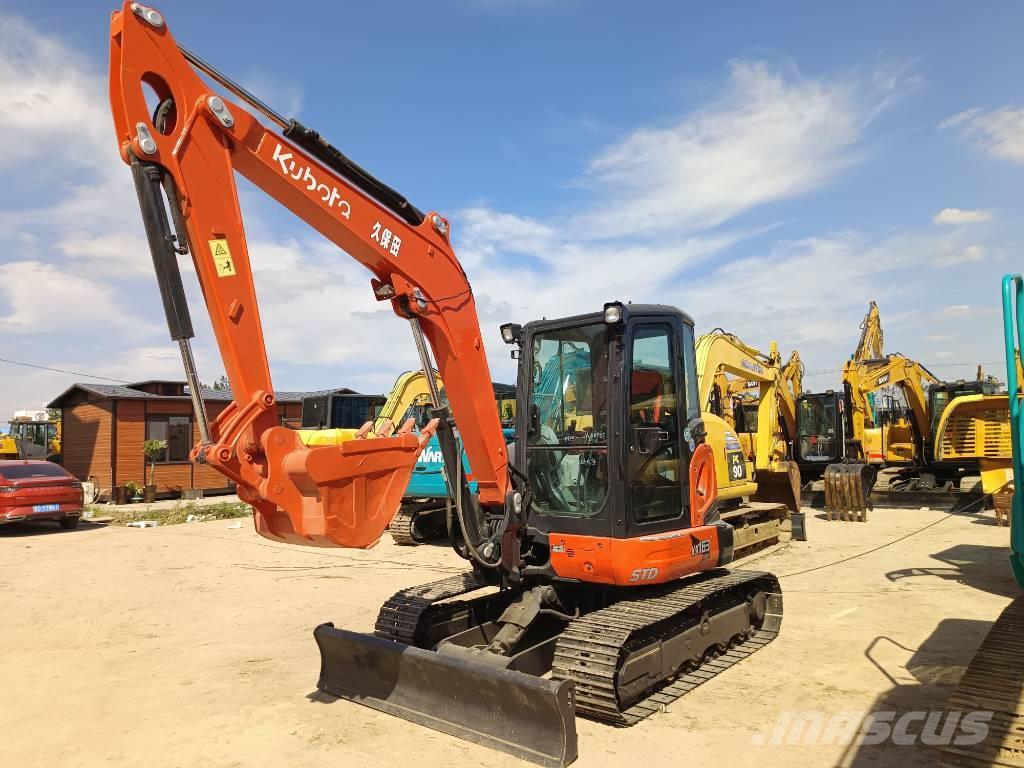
<point>154,449</point>
<point>222,383</point>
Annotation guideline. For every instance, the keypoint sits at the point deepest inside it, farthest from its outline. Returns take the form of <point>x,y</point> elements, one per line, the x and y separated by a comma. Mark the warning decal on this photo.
<point>222,258</point>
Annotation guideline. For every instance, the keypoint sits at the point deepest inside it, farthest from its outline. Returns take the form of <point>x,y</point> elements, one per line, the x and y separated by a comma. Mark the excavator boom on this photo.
<point>871,337</point>
<point>189,149</point>
<point>720,355</point>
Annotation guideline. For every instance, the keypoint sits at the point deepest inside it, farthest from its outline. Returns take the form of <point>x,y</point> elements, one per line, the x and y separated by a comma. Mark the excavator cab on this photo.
<point>940,396</point>
<point>820,431</point>
<point>609,395</point>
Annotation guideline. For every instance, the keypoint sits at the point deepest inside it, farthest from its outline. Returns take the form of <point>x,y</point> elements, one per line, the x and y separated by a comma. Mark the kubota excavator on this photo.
<point>594,581</point>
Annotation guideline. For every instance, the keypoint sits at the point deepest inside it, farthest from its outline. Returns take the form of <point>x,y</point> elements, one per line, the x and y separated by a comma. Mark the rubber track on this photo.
<point>401,616</point>
<point>592,647</point>
<point>994,682</point>
<point>400,528</point>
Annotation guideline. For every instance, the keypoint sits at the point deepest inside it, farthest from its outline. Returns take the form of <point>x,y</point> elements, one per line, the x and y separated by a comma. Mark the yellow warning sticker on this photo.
<point>222,258</point>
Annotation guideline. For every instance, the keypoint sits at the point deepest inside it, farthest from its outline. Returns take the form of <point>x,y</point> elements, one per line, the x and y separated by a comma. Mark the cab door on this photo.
<point>655,463</point>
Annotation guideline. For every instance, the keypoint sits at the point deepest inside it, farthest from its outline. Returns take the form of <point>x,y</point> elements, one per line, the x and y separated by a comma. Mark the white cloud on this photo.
<point>961,216</point>
<point>48,100</point>
<point>999,132</point>
<point>969,255</point>
<point>957,309</point>
<point>282,94</point>
<point>111,253</point>
<point>767,137</point>
<point>40,299</point>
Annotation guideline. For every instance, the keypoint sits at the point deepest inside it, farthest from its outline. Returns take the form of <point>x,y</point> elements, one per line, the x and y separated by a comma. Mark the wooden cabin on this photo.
<point>104,427</point>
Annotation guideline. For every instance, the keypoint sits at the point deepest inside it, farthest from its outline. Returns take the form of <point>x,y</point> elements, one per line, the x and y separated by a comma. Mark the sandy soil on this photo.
<point>192,645</point>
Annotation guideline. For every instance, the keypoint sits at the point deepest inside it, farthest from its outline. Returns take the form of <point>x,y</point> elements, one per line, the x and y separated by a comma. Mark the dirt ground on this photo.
<point>192,645</point>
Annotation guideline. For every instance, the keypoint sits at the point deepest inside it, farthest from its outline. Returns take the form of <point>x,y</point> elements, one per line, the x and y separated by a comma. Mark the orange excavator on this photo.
<point>594,581</point>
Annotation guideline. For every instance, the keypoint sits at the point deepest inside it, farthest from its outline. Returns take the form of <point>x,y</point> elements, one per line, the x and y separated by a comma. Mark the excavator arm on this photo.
<point>793,375</point>
<point>871,337</point>
<point>189,148</point>
<point>721,354</point>
<point>410,389</point>
<point>862,377</point>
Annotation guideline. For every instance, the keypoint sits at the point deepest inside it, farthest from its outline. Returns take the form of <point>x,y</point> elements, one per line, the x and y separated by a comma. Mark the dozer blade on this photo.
<point>781,486</point>
<point>848,491</point>
<point>513,712</point>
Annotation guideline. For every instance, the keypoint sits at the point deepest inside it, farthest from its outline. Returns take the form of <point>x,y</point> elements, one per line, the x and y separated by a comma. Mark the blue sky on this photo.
<point>768,167</point>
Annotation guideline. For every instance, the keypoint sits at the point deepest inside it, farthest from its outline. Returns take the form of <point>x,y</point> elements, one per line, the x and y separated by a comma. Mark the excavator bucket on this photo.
<point>781,486</point>
<point>336,495</point>
<point>848,491</point>
<point>520,714</point>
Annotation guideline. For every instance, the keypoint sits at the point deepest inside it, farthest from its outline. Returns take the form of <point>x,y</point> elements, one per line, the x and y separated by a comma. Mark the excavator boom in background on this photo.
<point>595,579</point>
<point>721,355</point>
<point>410,397</point>
<point>854,435</point>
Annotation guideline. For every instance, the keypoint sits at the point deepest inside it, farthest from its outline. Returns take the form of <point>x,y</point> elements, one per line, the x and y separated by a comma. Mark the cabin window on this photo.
<point>176,431</point>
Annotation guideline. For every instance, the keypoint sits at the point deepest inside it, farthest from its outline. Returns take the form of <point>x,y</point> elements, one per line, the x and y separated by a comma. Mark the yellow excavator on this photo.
<point>411,391</point>
<point>740,399</point>
<point>726,365</point>
<point>971,428</point>
<point>861,433</point>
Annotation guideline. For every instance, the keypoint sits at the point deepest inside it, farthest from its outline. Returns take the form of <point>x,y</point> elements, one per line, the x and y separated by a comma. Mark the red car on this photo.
<point>39,490</point>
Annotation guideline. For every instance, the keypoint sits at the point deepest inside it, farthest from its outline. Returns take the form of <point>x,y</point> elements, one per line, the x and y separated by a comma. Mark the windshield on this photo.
<point>816,428</point>
<point>750,411</point>
<point>565,409</point>
<point>569,412</point>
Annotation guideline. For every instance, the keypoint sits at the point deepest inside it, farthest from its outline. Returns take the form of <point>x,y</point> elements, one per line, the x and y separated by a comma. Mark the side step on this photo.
<point>529,717</point>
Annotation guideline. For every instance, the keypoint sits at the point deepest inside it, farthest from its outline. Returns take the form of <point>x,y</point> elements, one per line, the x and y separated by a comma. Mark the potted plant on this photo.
<point>133,490</point>
<point>154,449</point>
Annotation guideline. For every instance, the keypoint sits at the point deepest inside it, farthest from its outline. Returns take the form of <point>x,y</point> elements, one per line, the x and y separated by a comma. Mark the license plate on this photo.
<point>737,465</point>
<point>46,508</point>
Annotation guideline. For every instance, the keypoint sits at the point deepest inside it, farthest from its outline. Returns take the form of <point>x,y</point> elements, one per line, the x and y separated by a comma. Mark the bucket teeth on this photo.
<point>848,491</point>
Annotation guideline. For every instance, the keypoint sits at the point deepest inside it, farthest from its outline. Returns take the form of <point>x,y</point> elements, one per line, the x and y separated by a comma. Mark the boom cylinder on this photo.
<point>148,185</point>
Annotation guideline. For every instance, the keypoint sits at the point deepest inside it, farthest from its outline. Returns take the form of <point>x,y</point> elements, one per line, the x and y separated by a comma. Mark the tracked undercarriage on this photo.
<point>510,668</point>
<point>994,683</point>
<point>419,522</point>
